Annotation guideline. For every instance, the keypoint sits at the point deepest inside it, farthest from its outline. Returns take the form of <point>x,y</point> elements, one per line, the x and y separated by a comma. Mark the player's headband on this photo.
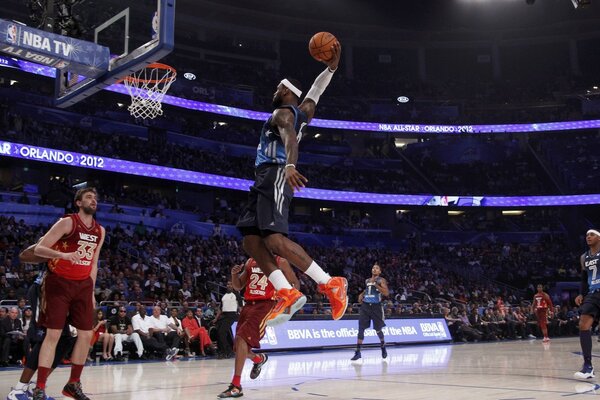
<point>291,86</point>
<point>593,231</point>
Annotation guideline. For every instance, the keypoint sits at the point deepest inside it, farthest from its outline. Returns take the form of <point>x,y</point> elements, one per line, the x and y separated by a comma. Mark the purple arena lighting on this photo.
<point>414,129</point>
<point>42,154</point>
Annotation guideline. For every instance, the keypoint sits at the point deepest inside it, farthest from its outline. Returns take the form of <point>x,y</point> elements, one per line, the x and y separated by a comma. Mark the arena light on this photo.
<point>455,212</point>
<point>189,76</point>
<point>513,212</point>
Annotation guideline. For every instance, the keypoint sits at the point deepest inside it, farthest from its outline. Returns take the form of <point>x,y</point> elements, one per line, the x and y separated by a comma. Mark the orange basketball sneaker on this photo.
<point>336,291</point>
<point>286,298</point>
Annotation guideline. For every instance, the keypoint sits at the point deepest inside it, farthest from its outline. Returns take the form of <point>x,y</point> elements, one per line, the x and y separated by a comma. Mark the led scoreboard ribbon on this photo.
<point>53,156</point>
<point>414,129</point>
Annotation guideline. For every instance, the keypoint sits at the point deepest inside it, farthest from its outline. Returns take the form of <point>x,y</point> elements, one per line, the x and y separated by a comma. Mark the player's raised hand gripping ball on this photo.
<point>321,46</point>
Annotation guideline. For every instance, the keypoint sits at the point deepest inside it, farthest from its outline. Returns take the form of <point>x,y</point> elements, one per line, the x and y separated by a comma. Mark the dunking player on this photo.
<point>73,245</point>
<point>259,295</point>
<point>540,306</point>
<point>24,388</point>
<point>588,300</point>
<point>371,309</point>
<point>264,222</point>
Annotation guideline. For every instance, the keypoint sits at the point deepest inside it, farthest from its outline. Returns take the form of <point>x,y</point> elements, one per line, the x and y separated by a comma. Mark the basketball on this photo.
<point>320,46</point>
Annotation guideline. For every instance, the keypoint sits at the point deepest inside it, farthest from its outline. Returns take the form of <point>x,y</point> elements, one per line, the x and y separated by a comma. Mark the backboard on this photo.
<point>91,43</point>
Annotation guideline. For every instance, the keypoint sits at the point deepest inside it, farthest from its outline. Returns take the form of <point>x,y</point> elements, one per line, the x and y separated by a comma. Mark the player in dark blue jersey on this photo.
<point>371,309</point>
<point>264,221</point>
<point>589,300</point>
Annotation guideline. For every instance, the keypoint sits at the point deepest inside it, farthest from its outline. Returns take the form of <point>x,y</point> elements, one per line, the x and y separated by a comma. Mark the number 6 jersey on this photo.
<point>85,242</point>
<point>258,286</point>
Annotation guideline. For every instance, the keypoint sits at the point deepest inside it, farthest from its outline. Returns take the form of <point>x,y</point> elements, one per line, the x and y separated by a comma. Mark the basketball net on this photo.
<point>147,88</point>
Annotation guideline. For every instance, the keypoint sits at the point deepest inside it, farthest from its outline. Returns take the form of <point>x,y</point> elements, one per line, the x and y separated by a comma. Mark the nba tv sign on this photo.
<point>86,58</point>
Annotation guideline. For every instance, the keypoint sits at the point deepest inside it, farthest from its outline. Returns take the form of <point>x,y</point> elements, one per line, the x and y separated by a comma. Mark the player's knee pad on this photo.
<point>361,334</point>
<point>380,334</point>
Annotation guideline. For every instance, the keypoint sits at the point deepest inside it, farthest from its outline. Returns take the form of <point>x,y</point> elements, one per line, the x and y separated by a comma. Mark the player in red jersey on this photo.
<point>260,297</point>
<point>73,245</point>
<point>541,303</point>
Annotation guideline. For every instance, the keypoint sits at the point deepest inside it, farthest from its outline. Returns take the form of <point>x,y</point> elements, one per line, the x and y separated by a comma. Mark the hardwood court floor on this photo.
<point>512,370</point>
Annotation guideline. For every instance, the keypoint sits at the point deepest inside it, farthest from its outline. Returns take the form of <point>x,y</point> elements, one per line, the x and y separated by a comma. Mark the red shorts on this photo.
<point>542,317</point>
<point>61,297</point>
<point>252,322</point>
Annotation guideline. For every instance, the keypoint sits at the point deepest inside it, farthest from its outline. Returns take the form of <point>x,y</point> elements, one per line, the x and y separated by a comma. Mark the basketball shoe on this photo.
<point>290,299</point>
<point>232,391</point>
<point>357,356</point>
<point>546,339</point>
<point>74,391</point>
<point>16,394</point>
<point>336,290</point>
<point>587,372</point>
<point>39,394</point>
<point>257,367</point>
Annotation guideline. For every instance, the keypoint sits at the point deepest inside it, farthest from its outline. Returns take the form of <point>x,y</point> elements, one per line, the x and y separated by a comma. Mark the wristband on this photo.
<point>290,165</point>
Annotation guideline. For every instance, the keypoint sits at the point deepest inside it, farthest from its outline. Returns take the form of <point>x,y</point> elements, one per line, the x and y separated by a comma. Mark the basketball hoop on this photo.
<point>147,88</point>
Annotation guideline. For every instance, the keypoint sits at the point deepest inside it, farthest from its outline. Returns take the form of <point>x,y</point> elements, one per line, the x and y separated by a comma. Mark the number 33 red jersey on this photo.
<point>85,242</point>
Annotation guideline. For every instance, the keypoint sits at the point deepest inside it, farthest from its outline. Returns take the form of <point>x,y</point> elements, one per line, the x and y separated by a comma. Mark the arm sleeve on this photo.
<point>320,84</point>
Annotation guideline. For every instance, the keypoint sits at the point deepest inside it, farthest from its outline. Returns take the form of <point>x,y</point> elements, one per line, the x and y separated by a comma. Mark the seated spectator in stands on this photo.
<point>208,313</point>
<point>101,335</point>
<point>184,292</point>
<point>152,288</point>
<point>27,318</point>
<point>3,313</point>
<point>142,325</point>
<point>193,330</point>
<point>122,329</point>
<point>21,304</point>
<point>12,338</point>
<point>103,289</point>
<point>565,326</point>
<point>159,329</point>
<point>454,323</point>
<point>175,324</point>
<point>516,328</point>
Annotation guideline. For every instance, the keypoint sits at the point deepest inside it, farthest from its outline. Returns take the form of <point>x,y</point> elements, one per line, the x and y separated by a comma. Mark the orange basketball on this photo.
<point>320,46</point>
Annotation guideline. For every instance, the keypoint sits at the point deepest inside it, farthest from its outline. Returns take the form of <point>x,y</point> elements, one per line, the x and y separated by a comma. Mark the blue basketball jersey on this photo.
<point>372,294</point>
<point>591,264</point>
<point>271,149</point>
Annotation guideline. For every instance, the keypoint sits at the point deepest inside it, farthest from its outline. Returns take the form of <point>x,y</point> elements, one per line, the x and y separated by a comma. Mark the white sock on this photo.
<point>317,273</point>
<point>21,386</point>
<point>278,280</point>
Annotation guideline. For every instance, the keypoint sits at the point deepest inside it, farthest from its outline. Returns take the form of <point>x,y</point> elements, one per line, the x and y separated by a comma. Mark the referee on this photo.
<point>371,309</point>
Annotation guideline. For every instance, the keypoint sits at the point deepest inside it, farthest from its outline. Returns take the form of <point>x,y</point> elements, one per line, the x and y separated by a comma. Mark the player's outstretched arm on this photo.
<point>28,256</point>
<point>61,228</point>
<point>321,82</point>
